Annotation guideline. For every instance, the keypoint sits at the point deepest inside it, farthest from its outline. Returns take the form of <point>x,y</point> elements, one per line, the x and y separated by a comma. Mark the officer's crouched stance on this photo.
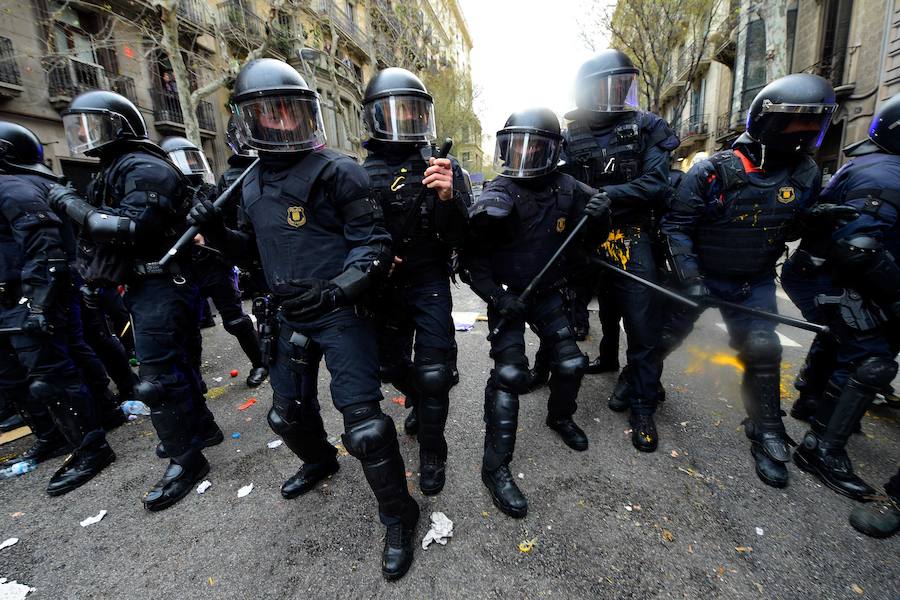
<point>322,243</point>
<point>517,224</point>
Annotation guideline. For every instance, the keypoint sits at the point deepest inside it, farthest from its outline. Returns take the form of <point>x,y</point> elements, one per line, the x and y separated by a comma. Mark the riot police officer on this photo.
<point>138,202</point>
<point>36,300</point>
<point>322,244</point>
<point>518,223</point>
<point>727,227</point>
<point>615,147</point>
<point>849,279</point>
<point>425,226</point>
<point>213,274</point>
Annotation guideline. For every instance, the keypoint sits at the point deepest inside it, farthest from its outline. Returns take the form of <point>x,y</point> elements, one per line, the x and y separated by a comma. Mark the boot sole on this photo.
<point>432,491</point>
<point>806,467</point>
<point>65,490</point>
<point>173,500</point>
<point>293,495</point>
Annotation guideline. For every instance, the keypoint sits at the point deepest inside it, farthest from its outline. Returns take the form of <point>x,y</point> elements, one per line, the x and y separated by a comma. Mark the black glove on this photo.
<point>36,323</point>
<point>205,215</point>
<point>510,306</point>
<point>695,288</point>
<point>90,298</point>
<point>830,215</point>
<point>597,207</point>
<point>58,194</point>
<point>315,298</point>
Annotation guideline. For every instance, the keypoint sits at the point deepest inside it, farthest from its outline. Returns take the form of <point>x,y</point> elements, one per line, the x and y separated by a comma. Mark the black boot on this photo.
<point>187,465</point>
<point>561,405</point>
<point>602,364</point>
<point>399,549</point>
<point>79,468</point>
<point>257,376</point>
<point>307,477</point>
<point>760,389</point>
<point>49,441</point>
<point>572,435</point>
<point>804,408</point>
<point>211,435</point>
<point>620,399</point>
<point>644,436</point>
<point>432,443</point>
<point>823,453</point>
<point>770,453</point>
<point>501,416</point>
<point>880,519</point>
<point>10,420</point>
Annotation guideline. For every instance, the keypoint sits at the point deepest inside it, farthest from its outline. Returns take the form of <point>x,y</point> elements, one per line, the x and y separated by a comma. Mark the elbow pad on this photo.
<point>101,227</point>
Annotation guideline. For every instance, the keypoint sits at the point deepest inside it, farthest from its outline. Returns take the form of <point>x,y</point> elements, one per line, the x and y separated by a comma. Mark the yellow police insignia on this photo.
<point>786,195</point>
<point>560,224</point>
<point>296,216</point>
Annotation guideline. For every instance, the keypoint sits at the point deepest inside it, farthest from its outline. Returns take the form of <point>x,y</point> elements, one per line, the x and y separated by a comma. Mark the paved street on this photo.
<point>690,521</point>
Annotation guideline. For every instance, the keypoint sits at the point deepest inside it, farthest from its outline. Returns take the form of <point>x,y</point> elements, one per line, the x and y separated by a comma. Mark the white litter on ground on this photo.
<point>464,321</point>
<point>91,520</point>
<point>244,491</point>
<point>759,531</point>
<point>13,590</point>
<point>441,530</point>
<point>204,486</point>
<point>274,443</point>
<point>9,542</point>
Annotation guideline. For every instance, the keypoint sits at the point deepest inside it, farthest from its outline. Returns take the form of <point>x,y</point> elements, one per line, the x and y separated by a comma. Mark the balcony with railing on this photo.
<point>729,125</point>
<point>344,73</point>
<point>10,77</point>
<point>124,85</point>
<point>831,67</point>
<point>194,13</point>
<point>695,129</point>
<point>344,22</point>
<point>68,76</point>
<point>240,23</point>
<point>169,118</point>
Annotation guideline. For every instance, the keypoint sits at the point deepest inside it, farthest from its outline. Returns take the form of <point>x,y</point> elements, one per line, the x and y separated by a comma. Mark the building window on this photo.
<point>791,34</point>
<point>754,62</point>
<point>836,30</point>
<point>467,156</point>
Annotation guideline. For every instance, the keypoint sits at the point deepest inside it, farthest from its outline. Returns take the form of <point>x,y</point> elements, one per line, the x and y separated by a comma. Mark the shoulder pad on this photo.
<point>729,169</point>
<point>658,131</point>
<point>495,201</point>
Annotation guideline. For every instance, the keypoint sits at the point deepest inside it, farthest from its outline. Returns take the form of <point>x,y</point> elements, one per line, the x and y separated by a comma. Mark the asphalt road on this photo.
<point>690,521</point>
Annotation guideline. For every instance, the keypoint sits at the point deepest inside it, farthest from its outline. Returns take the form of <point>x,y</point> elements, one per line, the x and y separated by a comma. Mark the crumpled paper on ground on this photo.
<point>9,542</point>
<point>13,590</point>
<point>95,519</point>
<point>441,530</point>
<point>464,321</point>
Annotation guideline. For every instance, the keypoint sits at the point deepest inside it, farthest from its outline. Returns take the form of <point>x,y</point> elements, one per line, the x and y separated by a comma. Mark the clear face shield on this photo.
<point>609,93</point>
<point>281,123</point>
<point>525,154</point>
<point>797,127</point>
<point>400,119</point>
<point>88,131</point>
<point>192,163</point>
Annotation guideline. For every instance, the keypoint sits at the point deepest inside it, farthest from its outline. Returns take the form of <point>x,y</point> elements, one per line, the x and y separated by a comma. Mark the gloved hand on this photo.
<point>315,298</point>
<point>695,288</point>
<point>90,297</point>
<point>597,207</point>
<point>58,194</point>
<point>205,215</point>
<point>830,215</point>
<point>510,306</point>
<point>36,323</point>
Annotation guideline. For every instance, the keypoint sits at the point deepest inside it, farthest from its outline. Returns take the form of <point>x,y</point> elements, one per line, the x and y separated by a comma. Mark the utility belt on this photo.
<point>10,293</point>
<point>154,269</point>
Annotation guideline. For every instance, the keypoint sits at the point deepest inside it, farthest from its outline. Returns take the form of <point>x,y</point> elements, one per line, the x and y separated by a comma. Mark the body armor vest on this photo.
<point>753,219</point>
<point>607,156</point>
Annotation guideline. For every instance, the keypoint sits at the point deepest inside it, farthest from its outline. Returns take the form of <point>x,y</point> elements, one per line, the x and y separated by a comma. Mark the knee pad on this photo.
<point>433,379</point>
<point>239,325</point>
<point>571,367</point>
<point>283,415</point>
<point>876,372</point>
<point>370,437</point>
<point>43,391</point>
<point>151,393</point>
<point>761,348</point>
<point>513,377</point>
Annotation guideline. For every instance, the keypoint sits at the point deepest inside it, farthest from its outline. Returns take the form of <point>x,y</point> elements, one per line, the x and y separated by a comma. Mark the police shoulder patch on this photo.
<point>786,195</point>
<point>296,216</point>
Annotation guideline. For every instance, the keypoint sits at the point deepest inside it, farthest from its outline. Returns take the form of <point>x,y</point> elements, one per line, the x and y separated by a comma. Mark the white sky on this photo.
<point>525,53</point>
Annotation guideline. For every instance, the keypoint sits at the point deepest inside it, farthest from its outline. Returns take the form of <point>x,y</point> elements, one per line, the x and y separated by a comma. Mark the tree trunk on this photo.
<point>172,47</point>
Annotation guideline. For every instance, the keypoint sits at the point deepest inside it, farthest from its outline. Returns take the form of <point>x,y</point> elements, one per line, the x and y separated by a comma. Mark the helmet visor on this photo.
<point>792,126</point>
<point>281,123</point>
<point>192,162</point>
<point>524,154</point>
<point>401,119</point>
<point>87,131</point>
<point>609,93</point>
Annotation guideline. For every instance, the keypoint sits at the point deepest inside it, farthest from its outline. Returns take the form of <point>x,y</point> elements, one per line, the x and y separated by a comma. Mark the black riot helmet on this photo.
<point>275,110</point>
<point>235,141</point>
<point>792,113</point>
<point>884,131</point>
<point>189,159</point>
<point>97,118</point>
<point>607,83</point>
<point>528,146</point>
<point>21,150</point>
<point>398,108</point>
